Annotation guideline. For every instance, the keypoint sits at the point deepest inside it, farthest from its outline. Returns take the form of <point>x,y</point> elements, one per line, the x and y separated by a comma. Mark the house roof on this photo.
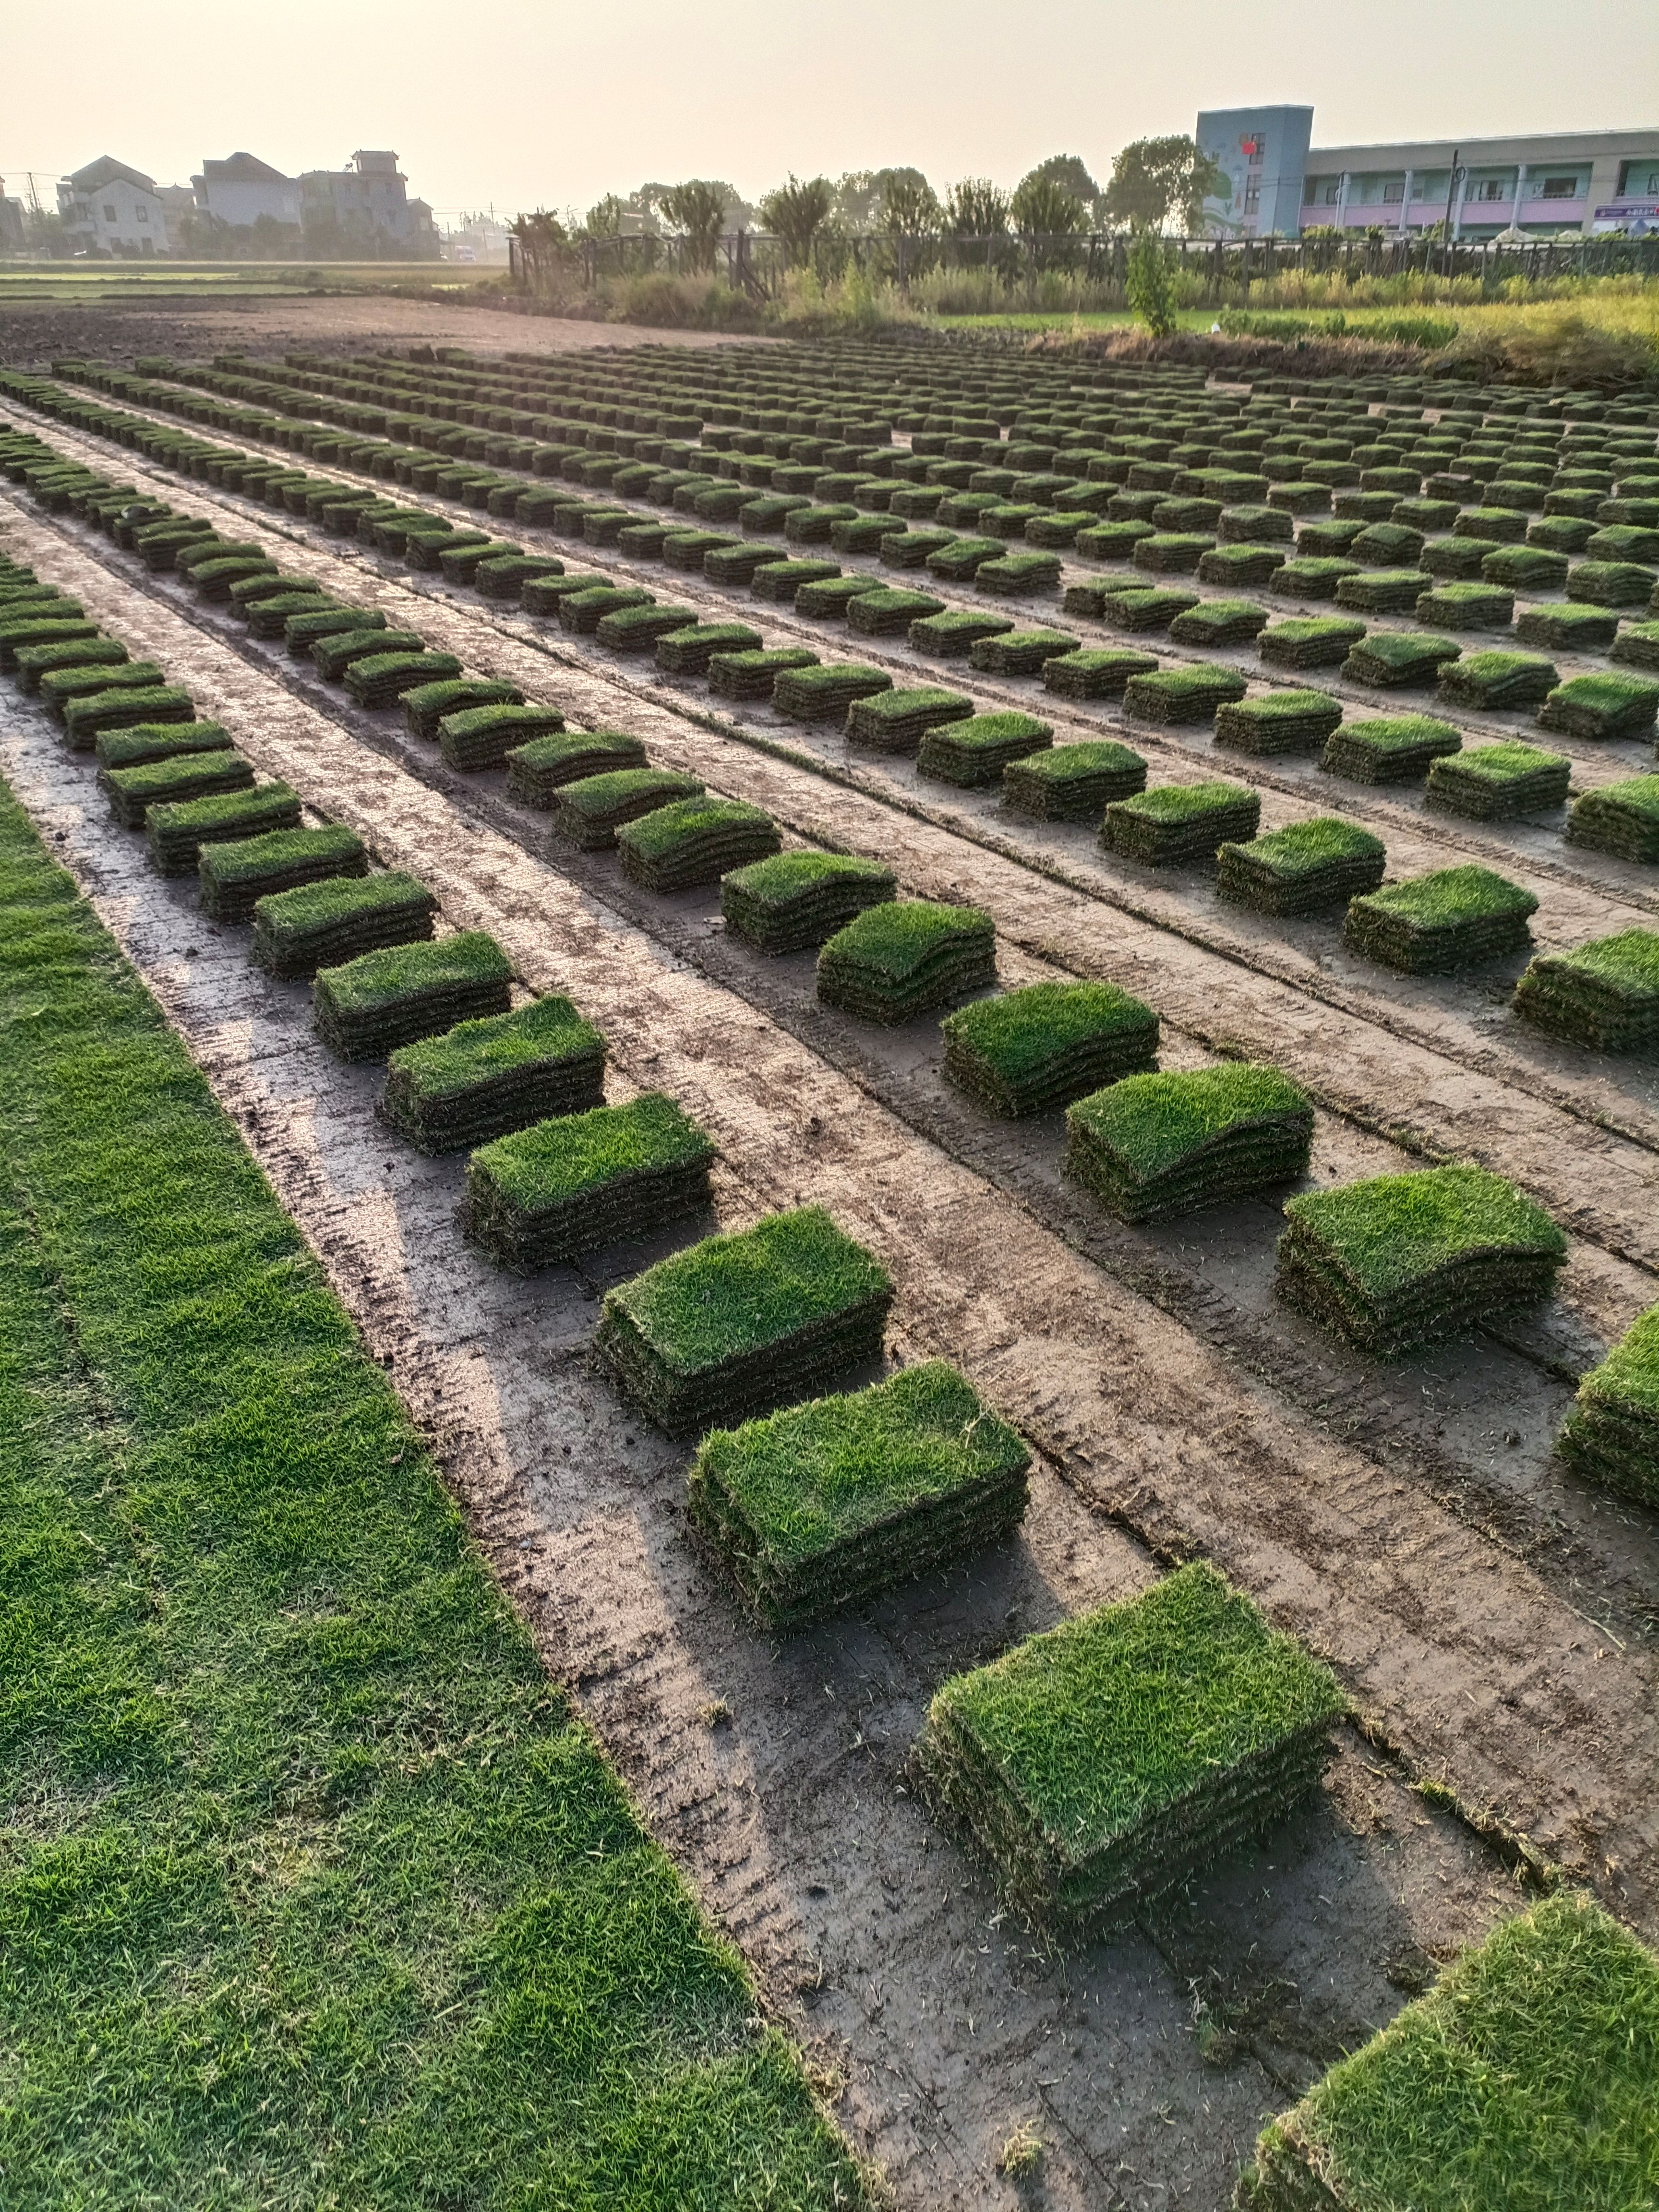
<point>242,169</point>
<point>106,170</point>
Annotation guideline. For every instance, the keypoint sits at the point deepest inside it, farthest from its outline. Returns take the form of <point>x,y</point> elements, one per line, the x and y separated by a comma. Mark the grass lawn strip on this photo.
<point>1603,995</point>
<point>369,1005</point>
<point>249,1605</point>
<point>1490,682</point>
<point>1105,1762</point>
<point>796,900</point>
<point>142,742</point>
<point>752,675</point>
<point>907,958</point>
<point>1435,924</point>
<point>484,1077</point>
<point>694,841</point>
<point>1036,1049</point>
<point>1152,1147</point>
<point>1095,671</point>
<point>1307,867</point>
<point>237,874</point>
<point>1400,1261</point>
<point>739,1324</point>
<point>323,925</point>
<point>825,1506</point>
<point>58,687</point>
<point>570,1185</point>
<point>1611,706</point>
<point>117,709</point>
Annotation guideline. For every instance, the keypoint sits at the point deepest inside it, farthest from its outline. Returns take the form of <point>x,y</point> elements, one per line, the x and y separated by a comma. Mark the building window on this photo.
<point>1255,154</point>
<point>1395,191</point>
<point>1252,194</point>
<point>1489,188</point>
<point>1559,188</point>
<point>1333,194</point>
<point>141,214</point>
<point>109,213</point>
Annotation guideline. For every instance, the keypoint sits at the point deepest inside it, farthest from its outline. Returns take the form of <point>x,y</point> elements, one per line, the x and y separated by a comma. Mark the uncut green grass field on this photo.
<point>313,1890</point>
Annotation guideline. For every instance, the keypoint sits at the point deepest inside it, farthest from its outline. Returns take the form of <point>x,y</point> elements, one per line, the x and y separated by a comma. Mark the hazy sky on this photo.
<point>554,104</point>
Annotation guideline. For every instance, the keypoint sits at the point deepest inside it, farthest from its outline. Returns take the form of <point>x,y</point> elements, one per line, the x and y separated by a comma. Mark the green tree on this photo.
<point>797,212</point>
<point>696,209</point>
<point>1069,172</point>
<point>909,206</point>
<point>1151,296</point>
<point>1049,219</point>
<point>541,240</point>
<point>604,218</point>
<point>977,208</point>
<point>1156,182</point>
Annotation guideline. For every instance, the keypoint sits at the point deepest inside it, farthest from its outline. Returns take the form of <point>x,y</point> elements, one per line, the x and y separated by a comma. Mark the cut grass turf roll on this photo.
<point>1310,641</point>
<point>1105,1762</point>
<point>795,900</point>
<point>483,1078</point>
<point>825,1506</point>
<point>1219,622</point>
<point>753,675</point>
<point>1241,566</point>
<point>1609,583</point>
<point>1020,652</point>
<point>828,601</point>
<point>1396,660</point>
<point>637,628</point>
<point>1137,607</point>
<point>1406,1260</point>
<point>1525,2077</point>
<point>143,742</point>
<point>1315,577</point>
<point>1468,605</point>
<point>1492,681</point>
<point>301,632</point>
<point>780,580</point>
<point>1095,671</point>
<point>1171,696</point>
<point>235,875</point>
<point>86,719</point>
<point>954,634</point>
<point>1434,925</point>
<point>694,841</point>
<point>588,812</point>
<point>741,1323</point>
<point>897,721</point>
<point>1603,995</point>
<point>132,792</point>
<point>907,958</point>
<point>427,705</point>
<point>537,771</point>
<point>365,1008</point>
<point>482,737</point>
<point>572,1184</point>
<point>1278,722</point>
<point>382,678</point>
<point>1176,822</point>
<point>1072,783</point>
<point>60,688</point>
<point>1391,749</point>
<point>1307,867</point>
<point>1497,783</point>
<point>1639,647</point>
<point>972,753</point>
<point>322,925</point>
<point>1622,818</point>
<point>1611,1437</point>
<point>1036,1049</point>
<point>1152,1147</point>
<point>35,661</point>
<point>890,611</point>
<point>823,693</point>
<point>177,832</point>
<point>1567,629</point>
<point>333,654</point>
<point>1610,707</point>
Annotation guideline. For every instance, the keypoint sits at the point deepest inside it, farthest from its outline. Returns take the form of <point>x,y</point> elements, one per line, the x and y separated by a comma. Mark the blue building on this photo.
<point>1264,153</point>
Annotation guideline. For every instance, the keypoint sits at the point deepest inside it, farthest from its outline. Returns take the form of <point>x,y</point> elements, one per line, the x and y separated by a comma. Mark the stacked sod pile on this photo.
<point>739,1324</point>
<point>694,841</point>
<point>1176,822</point>
<point>1612,1434</point>
<point>118,707</point>
<point>1495,783</point>
<point>370,1006</point>
<point>1524,2078</point>
<point>973,753</point>
<point>1152,1147</point>
<point>426,706</point>
<point>588,812</point>
<point>1611,706</point>
<point>479,737</point>
<point>1394,660</point>
<point>1036,1049</point>
<point>176,834</point>
<point>1391,749</point>
<point>1604,994</point>
<point>380,679</point>
<point>824,693</point>
<point>824,1506</point>
<point>326,924</point>
<point>1103,1763</point>
<point>1434,925</point>
<point>907,958</point>
<point>1182,694</point>
<point>1310,641</point>
<point>169,778</point>
<point>1307,867</point>
<point>1072,783</point>
<point>570,1185</point>
<point>795,900</point>
<point>1278,722</point>
<point>1406,1260</point>
<point>1622,818</point>
<point>752,675</point>
<point>1095,671</point>
<point>1490,682</point>
<point>897,721</point>
<point>536,771</point>
<point>236,875</point>
<point>483,1078</point>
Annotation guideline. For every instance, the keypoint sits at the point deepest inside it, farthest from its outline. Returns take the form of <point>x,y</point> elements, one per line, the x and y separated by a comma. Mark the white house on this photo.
<point>241,189</point>
<point>108,208</point>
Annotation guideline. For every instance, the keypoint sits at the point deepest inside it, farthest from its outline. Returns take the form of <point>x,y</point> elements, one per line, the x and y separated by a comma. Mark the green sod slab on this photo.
<point>1095,671</point>
<point>545,595</point>
<point>1467,606</point>
<point>141,743</point>
<point>212,579</point>
<point>780,580</point>
<point>1103,1763</point>
<point>1611,1437</point>
<point>331,655</point>
<point>63,629</point>
<point>1497,783</point>
<point>1396,659</point>
<point>1277,722</point>
<point>503,576</point>
<point>482,1078</point>
<point>1622,818</point>
<point>478,738</point>
<point>35,661</point>
<point>1171,696</point>
<point>1172,552</point>
<point>303,631</point>
<point>825,692</point>
<point>739,1324</point>
<point>1603,707</point>
<point>1603,995</point>
<point>132,792</point>
<point>1639,647</point>
<point>1111,541</point>
<point>1493,681</point>
<point>829,599</point>
<point>637,628</point>
<point>1251,523</point>
<point>797,900</point>
<point>297,932</point>
<point>888,612</point>
<point>88,717</point>
<point>60,687</point>
<point>907,958</point>
<point>1308,867</point>
<point>177,831</point>
<point>753,675</point>
<point>426,706</point>
<point>897,721</point>
<point>235,875</point>
<point>1153,1147</point>
<point>973,753</point>
<point>1524,2080</point>
<point>957,562</point>
<point>1172,823</point>
<point>1036,1049</point>
<point>1020,652</point>
<point>1219,622</point>
<point>1433,925</point>
<point>1611,583</point>
<point>365,1008</point>
<point>1407,1259</point>
<point>536,771</point>
<point>1315,577</point>
<point>953,634</point>
<point>581,612</point>
<point>1387,545</point>
<point>693,841</point>
<point>1136,607</point>
<point>825,1506</point>
<point>1310,641</point>
<point>575,1183</point>
<point>588,812</point>
<point>382,678</point>
<point>1241,566</point>
<point>1391,749</point>
<point>1072,783</point>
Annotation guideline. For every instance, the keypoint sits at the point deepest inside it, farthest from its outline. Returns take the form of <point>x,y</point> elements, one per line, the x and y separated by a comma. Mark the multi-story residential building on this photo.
<point>108,208</point>
<point>241,189</point>
<point>367,206</point>
<point>1263,152</point>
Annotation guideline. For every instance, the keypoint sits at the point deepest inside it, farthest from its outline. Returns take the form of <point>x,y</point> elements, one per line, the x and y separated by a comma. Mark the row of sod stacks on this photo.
<point>1434,925</point>
<point>180,832</point>
<point>1105,1762</point>
<point>975,753</point>
<point>447,1093</point>
<point>1612,1434</point>
<point>1406,1260</point>
<point>740,1323</point>
<point>1525,2078</point>
<point>1393,749</point>
<point>1622,818</point>
<point>427,704</point>
<point>1279,722</point>
<point>1152,1147</point>
<point>1496,783</point>
<point>1308,867</point>
<point>235,877</point>
<point>479,737</point>
<point>798,900</point>
<point>694,841</point>
<point>824,1506</point>
<point>166,778</point>
<point>1072,783</point>
<point>1603,995</point>
<point>588,812</point>
<point>908,957</point>
<point>325,925</point>
<point>897,721</point>
<point>1036,1049</point>
<point>567,1186</point>
<point>536,771</point>
<point>365,1008</point>
<point>1176,822</point>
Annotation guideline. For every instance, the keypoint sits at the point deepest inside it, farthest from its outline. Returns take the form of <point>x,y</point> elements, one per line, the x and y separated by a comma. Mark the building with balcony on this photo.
<point>108,208</point>
<point>365,207</point>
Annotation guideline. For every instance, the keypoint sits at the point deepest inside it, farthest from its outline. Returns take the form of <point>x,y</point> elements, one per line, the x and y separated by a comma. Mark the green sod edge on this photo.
<point>312,1836</point>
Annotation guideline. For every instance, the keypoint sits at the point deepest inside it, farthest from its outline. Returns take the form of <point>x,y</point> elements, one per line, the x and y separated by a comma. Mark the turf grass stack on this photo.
<point>797,900</point>
<point>1036,1049</point>
<point>236,875</point>
<point>1307,867</point>
<point>1175,822</point>
<point>570,1185</point>
<point>323,925</point>
<point>1603,995</point>
<point>694,841</point>
<point>907,958</point>
<point>484,1077</point>
<point>1436,924</point>
<point>1072,783</point>
<point>1152,1147</point>
<point>1612,1434</point>
<point>1497,783</point>
<point>368,1007</point>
